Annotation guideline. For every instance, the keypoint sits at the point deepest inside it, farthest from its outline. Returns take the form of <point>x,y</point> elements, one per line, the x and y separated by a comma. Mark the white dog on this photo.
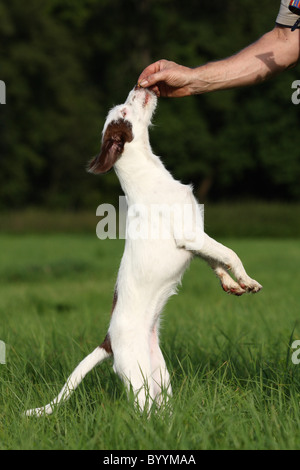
<point>151,267</point>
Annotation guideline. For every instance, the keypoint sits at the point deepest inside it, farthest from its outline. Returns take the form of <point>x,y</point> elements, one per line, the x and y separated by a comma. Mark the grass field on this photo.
<point>235,386</point>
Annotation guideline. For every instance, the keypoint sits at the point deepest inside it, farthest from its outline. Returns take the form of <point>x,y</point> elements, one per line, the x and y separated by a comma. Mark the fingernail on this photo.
<point>144,83</point>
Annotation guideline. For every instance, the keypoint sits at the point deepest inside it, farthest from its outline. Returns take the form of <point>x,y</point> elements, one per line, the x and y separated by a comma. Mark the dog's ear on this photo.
<point>116,135</point>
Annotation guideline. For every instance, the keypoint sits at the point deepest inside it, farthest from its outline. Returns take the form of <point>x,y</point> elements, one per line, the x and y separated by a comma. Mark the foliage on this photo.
<point>66,63</point>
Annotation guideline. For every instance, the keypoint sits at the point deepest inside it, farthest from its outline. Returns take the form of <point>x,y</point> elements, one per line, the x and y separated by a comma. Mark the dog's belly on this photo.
<point>155,261</point>
<point>149,274</point>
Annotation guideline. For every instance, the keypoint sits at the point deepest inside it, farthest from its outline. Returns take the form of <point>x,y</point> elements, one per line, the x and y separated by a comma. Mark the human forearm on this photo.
<point>272,53</point>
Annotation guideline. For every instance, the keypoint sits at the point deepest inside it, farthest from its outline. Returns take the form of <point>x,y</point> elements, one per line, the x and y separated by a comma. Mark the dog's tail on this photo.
<point>86,365</point>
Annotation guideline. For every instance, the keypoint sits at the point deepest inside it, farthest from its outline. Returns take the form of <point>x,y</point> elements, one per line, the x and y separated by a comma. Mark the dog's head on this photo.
<point>124,124</point>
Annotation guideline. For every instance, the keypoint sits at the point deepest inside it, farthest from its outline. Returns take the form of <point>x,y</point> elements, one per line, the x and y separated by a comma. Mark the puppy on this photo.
<point>159,246</point>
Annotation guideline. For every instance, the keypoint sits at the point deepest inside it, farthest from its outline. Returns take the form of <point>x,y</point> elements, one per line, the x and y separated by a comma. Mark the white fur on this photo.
<point>151,268</point>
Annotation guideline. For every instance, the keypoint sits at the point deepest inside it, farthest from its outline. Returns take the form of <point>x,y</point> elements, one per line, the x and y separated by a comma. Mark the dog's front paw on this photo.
<point>244,284</point>
<point>235,290</point>
<point>250,285</point>
<point>231,287</point>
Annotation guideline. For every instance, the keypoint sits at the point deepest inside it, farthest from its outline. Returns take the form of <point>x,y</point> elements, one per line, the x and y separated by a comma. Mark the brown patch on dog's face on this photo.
<point>116,135</point>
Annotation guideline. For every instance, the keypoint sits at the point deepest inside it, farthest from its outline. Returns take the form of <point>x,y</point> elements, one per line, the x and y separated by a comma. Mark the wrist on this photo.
<point>201,81</point>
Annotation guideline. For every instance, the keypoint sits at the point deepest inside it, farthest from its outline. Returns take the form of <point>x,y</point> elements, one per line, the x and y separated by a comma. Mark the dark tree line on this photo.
<point>65,63</point>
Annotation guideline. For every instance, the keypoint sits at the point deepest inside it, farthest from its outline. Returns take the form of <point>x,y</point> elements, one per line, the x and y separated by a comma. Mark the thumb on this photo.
<point>152,79</point>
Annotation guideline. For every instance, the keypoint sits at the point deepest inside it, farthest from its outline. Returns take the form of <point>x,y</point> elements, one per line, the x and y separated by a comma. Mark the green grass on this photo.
<point>231,219</point>
<point>235,386</point>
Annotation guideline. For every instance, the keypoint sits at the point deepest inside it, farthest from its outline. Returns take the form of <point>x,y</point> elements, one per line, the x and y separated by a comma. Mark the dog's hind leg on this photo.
<point>89,362</point>
<point>160,376</point>
<point>132,364</point>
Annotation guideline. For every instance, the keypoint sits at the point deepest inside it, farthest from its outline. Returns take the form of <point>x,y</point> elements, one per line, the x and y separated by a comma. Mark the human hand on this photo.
<point>167,79</point>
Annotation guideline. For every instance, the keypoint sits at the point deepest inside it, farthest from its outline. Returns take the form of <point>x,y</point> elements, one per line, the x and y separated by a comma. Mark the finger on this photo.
<point>150,70</point>
<point>153,79</point>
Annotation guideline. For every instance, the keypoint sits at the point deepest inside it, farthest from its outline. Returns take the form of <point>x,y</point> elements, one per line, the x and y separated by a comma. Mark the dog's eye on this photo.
<point>124,113</point>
